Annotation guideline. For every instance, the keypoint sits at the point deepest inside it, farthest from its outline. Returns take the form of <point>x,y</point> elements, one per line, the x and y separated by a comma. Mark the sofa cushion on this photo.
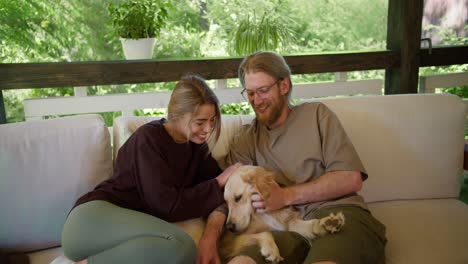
<point>45,166</point>
<point>411,145</point>
<point>424,231</point>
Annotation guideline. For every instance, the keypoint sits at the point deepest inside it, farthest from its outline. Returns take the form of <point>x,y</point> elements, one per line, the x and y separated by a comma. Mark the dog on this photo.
<point>250,228</point>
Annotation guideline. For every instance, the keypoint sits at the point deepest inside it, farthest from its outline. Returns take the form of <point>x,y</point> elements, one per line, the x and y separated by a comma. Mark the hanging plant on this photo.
<point>266,33</point>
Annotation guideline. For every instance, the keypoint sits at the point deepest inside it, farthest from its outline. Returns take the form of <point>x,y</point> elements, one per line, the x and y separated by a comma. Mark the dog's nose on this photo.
<point>231,226</point>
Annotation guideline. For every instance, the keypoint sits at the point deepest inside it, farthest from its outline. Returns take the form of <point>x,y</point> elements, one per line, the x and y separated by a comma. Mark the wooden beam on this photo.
<point>47,75</point>
<point>444,56</point>
<point>404,35</point>
<point>63,74</point>
<point>465,158</point>
<point>2,109</point>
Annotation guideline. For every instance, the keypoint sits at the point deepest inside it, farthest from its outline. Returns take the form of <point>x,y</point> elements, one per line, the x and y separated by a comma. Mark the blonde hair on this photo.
<point>191,92</point>
<point>268,62</point>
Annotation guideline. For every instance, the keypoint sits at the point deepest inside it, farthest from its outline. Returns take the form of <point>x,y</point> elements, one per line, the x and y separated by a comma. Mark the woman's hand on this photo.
<point>223,177</point>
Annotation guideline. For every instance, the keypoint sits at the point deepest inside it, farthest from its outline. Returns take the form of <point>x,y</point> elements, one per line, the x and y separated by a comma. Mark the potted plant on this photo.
<point>138,23</point>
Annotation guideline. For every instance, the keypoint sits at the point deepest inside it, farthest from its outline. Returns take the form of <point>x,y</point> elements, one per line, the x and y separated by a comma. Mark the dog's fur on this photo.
<point>250,228</point>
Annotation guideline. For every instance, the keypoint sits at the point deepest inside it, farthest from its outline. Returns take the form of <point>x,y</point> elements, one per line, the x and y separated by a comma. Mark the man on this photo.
<point>317,167</point>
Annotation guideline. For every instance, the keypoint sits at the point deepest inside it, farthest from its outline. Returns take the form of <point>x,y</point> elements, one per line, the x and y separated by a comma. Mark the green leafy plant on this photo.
<point>269,32</point>
<point>242,108</point>
<point>136,19</point>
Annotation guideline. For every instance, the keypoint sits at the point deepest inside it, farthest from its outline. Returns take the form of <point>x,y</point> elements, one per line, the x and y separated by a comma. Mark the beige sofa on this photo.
<point>411,145</point>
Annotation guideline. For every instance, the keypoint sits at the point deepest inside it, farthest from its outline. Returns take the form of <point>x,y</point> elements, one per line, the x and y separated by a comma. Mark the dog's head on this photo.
<point>239,188</point>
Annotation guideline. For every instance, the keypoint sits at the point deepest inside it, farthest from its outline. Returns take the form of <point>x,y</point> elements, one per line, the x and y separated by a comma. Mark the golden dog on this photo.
<point>250,228</point>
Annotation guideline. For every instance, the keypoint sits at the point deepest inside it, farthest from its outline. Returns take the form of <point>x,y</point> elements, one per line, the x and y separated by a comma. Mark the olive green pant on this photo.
<point>105,233</point>
<point>361,240</point>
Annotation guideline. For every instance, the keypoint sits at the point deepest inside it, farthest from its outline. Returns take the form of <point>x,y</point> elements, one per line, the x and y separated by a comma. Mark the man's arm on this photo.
<point>331,185</point>
<point>208,244</point>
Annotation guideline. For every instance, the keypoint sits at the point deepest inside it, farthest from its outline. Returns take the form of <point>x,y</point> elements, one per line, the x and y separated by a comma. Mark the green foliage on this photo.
<point>335,25</point>
<point>234,109</point>
<point>188,45</point>
<point>150,112</point>
<point>13,100</point>
<point>448,35</point>
<point>461,91</point>
<point>54,30</point>
<point>186,14</point>
<point>70,30</point>
<point>139,18</point>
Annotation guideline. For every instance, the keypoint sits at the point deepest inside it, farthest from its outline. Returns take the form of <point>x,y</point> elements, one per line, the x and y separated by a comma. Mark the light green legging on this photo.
<point>105,233</point>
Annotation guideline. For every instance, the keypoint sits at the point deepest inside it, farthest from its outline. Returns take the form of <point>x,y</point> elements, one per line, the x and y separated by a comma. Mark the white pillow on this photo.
<point>44,167</point>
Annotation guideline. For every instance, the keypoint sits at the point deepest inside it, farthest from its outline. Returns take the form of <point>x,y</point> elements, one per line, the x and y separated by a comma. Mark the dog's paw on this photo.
<point>333,223</point>
<point>271,254</point>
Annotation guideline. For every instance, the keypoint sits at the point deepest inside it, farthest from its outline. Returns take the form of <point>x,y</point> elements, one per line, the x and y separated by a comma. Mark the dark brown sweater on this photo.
<point>155,175</point>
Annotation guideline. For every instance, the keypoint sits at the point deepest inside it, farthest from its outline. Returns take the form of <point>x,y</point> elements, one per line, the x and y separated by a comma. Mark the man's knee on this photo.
<point>242,260</point>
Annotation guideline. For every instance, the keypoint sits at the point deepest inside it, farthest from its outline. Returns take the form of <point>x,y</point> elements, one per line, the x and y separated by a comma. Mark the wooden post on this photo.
<point>404,34</point>
<point>2,109</point>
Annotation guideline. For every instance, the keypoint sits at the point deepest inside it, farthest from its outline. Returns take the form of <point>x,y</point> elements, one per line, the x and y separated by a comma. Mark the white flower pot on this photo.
<point>138,49</point>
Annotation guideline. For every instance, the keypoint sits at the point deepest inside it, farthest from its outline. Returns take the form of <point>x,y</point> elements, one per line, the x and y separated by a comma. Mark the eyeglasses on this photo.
<point>262,92</point>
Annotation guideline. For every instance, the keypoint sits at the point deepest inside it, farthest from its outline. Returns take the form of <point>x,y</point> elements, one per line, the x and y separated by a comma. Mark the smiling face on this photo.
<point>271,108</point>
<point>202,123</point>
<point>193,111</point>
<point>196,127</point>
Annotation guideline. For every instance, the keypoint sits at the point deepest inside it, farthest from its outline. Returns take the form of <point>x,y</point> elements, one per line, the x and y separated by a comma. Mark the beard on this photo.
<point>275,108</point>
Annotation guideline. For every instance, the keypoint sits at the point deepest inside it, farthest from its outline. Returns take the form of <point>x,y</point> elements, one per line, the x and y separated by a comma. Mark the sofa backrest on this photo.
<point>44,167</point>
<point>411,145</point>
<point>230,124</point>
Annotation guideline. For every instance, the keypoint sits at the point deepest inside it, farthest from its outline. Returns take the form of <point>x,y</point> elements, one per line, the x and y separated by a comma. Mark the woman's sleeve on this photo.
<point>209,168</point>
<point>164,197</point>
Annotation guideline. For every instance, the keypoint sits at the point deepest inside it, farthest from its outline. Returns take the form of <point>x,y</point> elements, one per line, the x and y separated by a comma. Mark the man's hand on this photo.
<point>329,186</point>
<point>278,199</point>
<point>207,251</point>
<point>208,244</point>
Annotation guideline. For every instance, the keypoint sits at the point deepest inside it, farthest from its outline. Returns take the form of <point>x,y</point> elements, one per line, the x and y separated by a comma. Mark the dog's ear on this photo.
<point>248,176</point>
<point>264,182</point>
<point>260,178</point>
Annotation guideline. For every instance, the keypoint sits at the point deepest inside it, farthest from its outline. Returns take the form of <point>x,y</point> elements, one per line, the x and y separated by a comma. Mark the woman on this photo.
<point>163,173</point>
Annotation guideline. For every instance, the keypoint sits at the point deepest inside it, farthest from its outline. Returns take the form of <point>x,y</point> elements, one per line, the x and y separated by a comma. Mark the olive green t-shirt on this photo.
<point>310,143</point>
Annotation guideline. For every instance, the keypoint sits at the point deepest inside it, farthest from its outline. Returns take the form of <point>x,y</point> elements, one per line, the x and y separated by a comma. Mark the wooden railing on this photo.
<point>428,84</point>
<point>47,75</point>
<point>72,74</point>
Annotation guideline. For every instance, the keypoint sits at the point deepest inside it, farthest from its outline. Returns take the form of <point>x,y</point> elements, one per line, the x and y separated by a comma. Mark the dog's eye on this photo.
<point>237,198</point>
